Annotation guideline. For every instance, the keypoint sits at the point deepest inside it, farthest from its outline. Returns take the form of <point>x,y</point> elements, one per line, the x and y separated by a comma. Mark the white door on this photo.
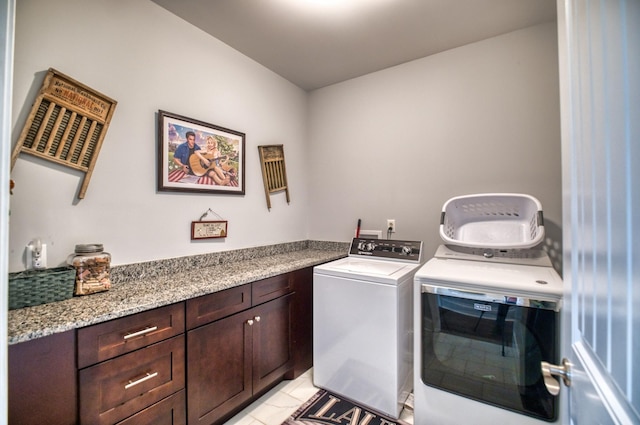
<point>599,46</point>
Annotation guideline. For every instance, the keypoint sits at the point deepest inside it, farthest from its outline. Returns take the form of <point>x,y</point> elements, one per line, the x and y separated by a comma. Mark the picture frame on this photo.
<point>209,229</point>
<point>195,156</point>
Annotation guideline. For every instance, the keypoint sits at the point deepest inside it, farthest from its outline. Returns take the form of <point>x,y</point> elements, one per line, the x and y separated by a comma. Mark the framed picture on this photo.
<point>208,229</point>
<point>194,156</point>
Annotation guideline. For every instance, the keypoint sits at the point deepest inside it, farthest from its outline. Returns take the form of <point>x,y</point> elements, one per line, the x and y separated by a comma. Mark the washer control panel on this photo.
<point>387,249</point>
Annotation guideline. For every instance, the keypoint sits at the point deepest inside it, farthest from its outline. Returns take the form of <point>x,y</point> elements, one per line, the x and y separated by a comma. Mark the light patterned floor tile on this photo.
<point>276,408</point>
<point>407,416</point>
<point>243,419</point>
<point>301,388</point>
<point>278,404</point>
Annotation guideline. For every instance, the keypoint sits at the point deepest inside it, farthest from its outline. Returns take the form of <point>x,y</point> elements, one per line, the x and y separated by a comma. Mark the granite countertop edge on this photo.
<point>149,292</point>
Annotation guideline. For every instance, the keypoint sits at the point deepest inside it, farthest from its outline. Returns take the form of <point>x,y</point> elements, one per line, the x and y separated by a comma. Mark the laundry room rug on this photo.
<point>330,409</point>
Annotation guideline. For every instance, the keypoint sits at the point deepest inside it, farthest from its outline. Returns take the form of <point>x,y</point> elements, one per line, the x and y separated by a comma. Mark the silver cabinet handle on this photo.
<point>551,370</point>
<point>250,322</point>
<point>141,380</point>
<point>142,332</point>
<point>257,318</point>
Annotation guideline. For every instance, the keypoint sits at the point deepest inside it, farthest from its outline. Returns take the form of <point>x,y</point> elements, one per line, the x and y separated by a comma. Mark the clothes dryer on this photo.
<point>484,321</point>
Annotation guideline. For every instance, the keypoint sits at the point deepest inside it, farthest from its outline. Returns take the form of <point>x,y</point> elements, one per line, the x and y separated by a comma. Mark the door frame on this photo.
<point>7,19</point>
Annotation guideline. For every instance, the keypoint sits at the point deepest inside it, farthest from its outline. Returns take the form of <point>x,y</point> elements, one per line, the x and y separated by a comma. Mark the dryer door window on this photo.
<point>489,352</point>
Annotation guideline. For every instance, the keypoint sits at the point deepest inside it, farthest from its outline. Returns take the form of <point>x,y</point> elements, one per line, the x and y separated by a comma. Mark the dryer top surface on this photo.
<point>508,279</point>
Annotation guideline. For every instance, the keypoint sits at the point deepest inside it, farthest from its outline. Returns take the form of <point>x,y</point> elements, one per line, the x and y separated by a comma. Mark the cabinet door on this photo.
<point>271,342</point>
<point>219,372</point>
<point>42,381</point>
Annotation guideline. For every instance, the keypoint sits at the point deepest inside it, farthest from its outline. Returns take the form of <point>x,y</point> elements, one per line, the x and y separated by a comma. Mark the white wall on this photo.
<point>399,143</point>
<point>393,144</point>
<point>147,59</point>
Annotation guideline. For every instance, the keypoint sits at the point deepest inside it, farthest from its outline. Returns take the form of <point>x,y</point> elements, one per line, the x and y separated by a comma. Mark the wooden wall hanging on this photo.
<point>67,124</point>
<point>211,229</point>
<point>274,172</point>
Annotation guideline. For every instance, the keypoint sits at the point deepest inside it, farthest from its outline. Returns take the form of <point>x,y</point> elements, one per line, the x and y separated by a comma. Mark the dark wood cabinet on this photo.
<point>144,368</point>
<point>219,373</point>
<point>42,381</point>
<point>118,388</point>
<point>116,337</point>
<point>271,332</point>
<point>169,411</point>
<point>235,358</point>
<point>212,307</point>
<point>269,289</point>
<point>130,366</point>
<point>302,322</point>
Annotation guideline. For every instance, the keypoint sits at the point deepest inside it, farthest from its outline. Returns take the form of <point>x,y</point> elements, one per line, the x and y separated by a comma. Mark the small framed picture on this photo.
<point>208,229</point>
<point>194,156</point>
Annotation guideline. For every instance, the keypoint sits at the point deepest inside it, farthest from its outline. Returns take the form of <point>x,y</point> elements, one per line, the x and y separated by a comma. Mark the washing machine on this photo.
<point>363,323</point>
<point>484,321</point>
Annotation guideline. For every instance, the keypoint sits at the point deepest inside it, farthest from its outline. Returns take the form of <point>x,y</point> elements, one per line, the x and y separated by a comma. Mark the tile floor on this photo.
<point>274,407</point>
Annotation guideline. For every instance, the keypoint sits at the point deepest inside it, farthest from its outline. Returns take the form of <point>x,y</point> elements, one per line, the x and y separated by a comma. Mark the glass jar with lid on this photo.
<point>93,268</point>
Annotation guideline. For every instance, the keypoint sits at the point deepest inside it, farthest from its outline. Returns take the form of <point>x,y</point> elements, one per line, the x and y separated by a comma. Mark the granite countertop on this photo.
<point>135,292</point>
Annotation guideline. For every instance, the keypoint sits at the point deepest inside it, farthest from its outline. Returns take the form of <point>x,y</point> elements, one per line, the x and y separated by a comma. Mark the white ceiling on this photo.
<point>315,43</point>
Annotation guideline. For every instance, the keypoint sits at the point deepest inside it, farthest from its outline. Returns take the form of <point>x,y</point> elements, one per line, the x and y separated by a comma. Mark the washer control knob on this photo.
<point>406,250</point>
<point>488,254</point>
<point>366,246</point>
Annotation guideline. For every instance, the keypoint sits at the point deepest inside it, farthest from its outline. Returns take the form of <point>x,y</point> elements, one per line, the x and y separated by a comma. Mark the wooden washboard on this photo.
<point>67,124</point>
<point>274,172</point>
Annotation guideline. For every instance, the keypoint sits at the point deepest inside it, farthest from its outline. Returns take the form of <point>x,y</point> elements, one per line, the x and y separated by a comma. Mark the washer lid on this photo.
<point>380,271</point>
<point>507,279</point>
<point>369,267</point>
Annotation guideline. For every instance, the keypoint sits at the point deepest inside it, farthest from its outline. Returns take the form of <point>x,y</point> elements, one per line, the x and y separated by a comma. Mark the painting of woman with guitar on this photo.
<point>210,163</point>
<point>199,157</point>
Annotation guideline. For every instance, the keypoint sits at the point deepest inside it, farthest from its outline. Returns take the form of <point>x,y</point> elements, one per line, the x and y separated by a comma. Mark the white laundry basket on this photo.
<point>492,220</point>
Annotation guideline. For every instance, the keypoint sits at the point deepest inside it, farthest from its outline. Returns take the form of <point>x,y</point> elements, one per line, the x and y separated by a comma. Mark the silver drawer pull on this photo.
<point>142,332</point>
<point>141,380</point>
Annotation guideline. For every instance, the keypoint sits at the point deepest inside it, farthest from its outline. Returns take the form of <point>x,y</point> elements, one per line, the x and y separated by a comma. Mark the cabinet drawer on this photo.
<point>169,411</point>
<point>118,388</point>
<point>208,308</point>
<point>110,339</point>
<point>271,288</point>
